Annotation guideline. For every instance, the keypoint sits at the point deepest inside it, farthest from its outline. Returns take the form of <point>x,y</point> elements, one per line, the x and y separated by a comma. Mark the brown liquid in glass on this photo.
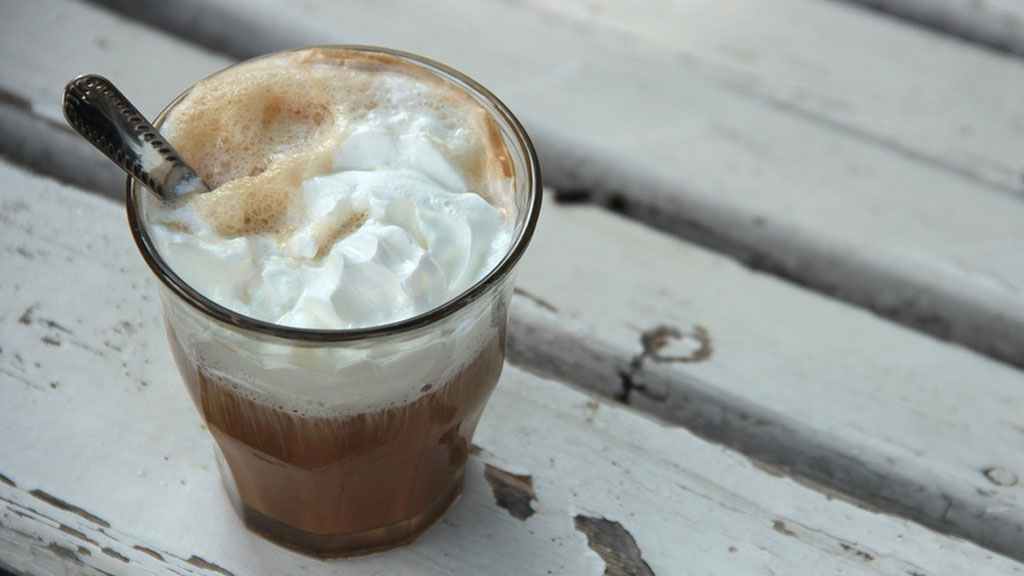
<point>352,484</point>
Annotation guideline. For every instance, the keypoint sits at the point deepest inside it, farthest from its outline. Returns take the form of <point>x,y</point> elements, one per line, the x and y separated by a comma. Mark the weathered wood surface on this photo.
<point>106,467</point>
<point>903,421</point>
<point>829,391</point>
<point>918,93</point>
<point>47,43</point>
<point>998,24</point>
<point>749,127</point>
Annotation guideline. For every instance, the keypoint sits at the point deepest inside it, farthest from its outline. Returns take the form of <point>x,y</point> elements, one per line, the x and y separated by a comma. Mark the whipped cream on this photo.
<point>394,201</point>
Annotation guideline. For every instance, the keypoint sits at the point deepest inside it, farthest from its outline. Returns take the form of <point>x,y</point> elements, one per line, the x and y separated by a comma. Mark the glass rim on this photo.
<point>211,309</point>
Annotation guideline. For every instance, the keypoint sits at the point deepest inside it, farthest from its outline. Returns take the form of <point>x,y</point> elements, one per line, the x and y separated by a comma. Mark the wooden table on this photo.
<point>772,321</point>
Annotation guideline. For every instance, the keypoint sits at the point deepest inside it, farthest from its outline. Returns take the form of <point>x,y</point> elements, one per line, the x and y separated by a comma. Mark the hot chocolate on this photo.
<point>337,304</point>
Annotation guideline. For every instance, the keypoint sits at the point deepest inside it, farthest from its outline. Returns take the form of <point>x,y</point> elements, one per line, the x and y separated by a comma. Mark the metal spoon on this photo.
<point>103,116</point>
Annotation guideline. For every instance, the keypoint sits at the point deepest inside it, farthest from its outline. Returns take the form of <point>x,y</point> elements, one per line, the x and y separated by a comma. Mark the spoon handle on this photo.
<point>103,116</point>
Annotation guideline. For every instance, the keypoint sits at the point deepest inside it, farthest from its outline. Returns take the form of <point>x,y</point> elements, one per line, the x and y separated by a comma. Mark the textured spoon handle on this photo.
<point>103,116</point>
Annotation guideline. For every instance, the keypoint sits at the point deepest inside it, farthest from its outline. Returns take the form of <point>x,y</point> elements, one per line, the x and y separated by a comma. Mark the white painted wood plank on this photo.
<point>781,418</point>
<point>721,153</point>
<point>926,95</point>
<point>995,23</point>
<point>105,464</point>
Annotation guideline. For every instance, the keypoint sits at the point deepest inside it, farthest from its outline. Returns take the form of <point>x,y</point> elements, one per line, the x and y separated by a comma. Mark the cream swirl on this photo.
<point>392,233</point>
<point>372,196</point>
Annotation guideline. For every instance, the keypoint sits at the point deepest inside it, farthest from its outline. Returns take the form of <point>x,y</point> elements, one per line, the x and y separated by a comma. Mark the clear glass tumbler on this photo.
<point>364,477</point>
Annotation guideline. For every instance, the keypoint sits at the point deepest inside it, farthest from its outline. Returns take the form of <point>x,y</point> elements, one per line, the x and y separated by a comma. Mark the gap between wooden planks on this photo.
<point>998,24</point>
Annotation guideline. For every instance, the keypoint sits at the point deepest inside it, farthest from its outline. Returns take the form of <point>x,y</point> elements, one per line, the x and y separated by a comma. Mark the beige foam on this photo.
<point>257,130</point>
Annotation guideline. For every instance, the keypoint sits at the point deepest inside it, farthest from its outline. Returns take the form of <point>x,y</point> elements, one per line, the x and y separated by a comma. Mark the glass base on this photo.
<point>341,544</point>
<point>344,544</point>
<point>350,544</point>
